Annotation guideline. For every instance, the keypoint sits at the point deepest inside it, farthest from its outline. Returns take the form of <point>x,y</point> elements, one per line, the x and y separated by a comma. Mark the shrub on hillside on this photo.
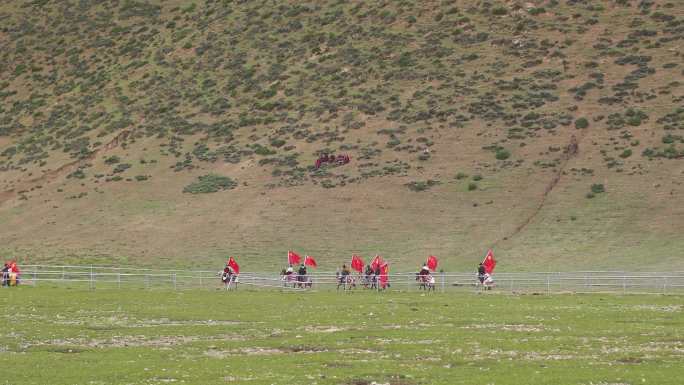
<point>78,174</point>
<point>421,185</point>
<point>121,167</point>
<point>597,188</point>
<point>581,123</point>
<point>502,154</point>
<point>112,160</point>
<point>210,183</point>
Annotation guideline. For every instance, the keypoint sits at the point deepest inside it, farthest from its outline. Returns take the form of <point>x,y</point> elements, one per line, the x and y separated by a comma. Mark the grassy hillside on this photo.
<point>552,131</point>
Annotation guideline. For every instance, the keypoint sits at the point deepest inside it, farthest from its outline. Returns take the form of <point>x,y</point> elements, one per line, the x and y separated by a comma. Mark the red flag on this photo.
<point>384,275</point>
<point>234,265</point>
<point>432,263</point>
<point>293,258</point>
<point>309,261</point>
<point>357,263</point>
<point>489,262</point>
<point>377,262</point>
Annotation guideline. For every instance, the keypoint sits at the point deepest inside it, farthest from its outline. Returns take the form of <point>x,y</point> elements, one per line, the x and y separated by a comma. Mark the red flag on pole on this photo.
<point>489,262</point>
<point>384,275</point>
<point>293,258</point>
<point>357,263</point>
<point>377,263</point>
<point>233,265</point>
<point>432,263</point>
<point>309,261</point>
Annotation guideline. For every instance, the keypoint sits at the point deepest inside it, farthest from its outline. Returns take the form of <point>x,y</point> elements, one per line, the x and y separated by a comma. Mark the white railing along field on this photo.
<point>546,282</point>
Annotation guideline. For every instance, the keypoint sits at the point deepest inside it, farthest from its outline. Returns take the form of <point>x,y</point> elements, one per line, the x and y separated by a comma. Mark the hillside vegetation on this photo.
<point>174,133</point>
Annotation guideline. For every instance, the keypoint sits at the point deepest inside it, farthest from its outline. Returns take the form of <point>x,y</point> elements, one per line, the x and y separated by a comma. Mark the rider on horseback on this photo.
<point>301,273</point>
<point>344,272</point>
<point>424,270</point>
<point>227,274</point>
<point>481,272</point>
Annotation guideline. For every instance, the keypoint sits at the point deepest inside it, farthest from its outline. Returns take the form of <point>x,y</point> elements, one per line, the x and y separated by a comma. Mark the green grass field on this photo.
<point>68,336</point>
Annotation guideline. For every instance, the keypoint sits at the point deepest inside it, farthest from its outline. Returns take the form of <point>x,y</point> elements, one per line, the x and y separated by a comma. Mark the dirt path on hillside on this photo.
<point>571,150</point>
<point>64,169</point>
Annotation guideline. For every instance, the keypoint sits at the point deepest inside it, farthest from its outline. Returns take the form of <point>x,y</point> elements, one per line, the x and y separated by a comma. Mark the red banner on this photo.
<point>489,262</point>
<point>384,275</point>
<point>309,261</point>
<point>233,265</point>
<point>293,258</point>
<point>377,263</point>
<point>432,263</point>
<point>357,263</point>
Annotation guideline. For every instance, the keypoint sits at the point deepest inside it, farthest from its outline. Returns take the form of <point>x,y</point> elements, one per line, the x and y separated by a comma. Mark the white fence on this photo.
<point>541,282</point>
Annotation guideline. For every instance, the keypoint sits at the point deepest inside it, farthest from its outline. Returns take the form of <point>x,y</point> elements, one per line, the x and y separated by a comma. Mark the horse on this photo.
<point>289,279</point>
<point>368,281</point>
<point>346,281</point>
<point>229,280</point>
<point>303,282</point>
<point>486,281</point>
<point>426,282</point>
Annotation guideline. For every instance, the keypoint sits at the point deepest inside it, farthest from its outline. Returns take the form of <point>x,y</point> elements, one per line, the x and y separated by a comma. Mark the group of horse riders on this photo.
<point>300,279</point>
<point>344,278</point>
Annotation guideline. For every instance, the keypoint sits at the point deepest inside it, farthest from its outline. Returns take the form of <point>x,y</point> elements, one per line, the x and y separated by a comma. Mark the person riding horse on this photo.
<point>229,276</point>
<point>425,279</point>
<point>481,273</point>
<point>301,273</point>
<point>344,278</point>
<point>368,277</point>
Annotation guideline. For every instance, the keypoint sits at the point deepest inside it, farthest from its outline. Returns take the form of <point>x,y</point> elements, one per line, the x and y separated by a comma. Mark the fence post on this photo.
<point>665,286</point>
<point>35,278</point>
<point>147,281</point>
<point>174,281</point>
<point>548,285</point>
<point>92,278</point>
<point>624,284</point>
<point>200,279</point>
<point>408,282</point>
<point>63,274</point>
<point>118,278</point>
<point>443,281</point>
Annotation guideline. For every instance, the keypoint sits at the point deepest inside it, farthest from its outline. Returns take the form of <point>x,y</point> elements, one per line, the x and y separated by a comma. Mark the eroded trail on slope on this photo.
<point>571,150</point>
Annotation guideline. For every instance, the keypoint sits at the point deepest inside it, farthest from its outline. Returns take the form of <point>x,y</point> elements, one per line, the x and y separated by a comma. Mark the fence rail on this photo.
<point>548,282</point>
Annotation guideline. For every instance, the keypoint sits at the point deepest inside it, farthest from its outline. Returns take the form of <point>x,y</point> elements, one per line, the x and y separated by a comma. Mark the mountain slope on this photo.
<point>469,125</point>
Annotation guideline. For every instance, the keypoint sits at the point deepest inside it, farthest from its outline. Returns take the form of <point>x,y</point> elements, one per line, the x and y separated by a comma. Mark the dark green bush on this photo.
<point>472,186</point>
<point>502,154</point>
<point>581,123</point>
<point>210,183</point>
<point>277,143</point>
<point>597,188</point>
<point>112,160</point>
<point>78,174</point>
<point>422,185</point>
<point>121,167</point>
